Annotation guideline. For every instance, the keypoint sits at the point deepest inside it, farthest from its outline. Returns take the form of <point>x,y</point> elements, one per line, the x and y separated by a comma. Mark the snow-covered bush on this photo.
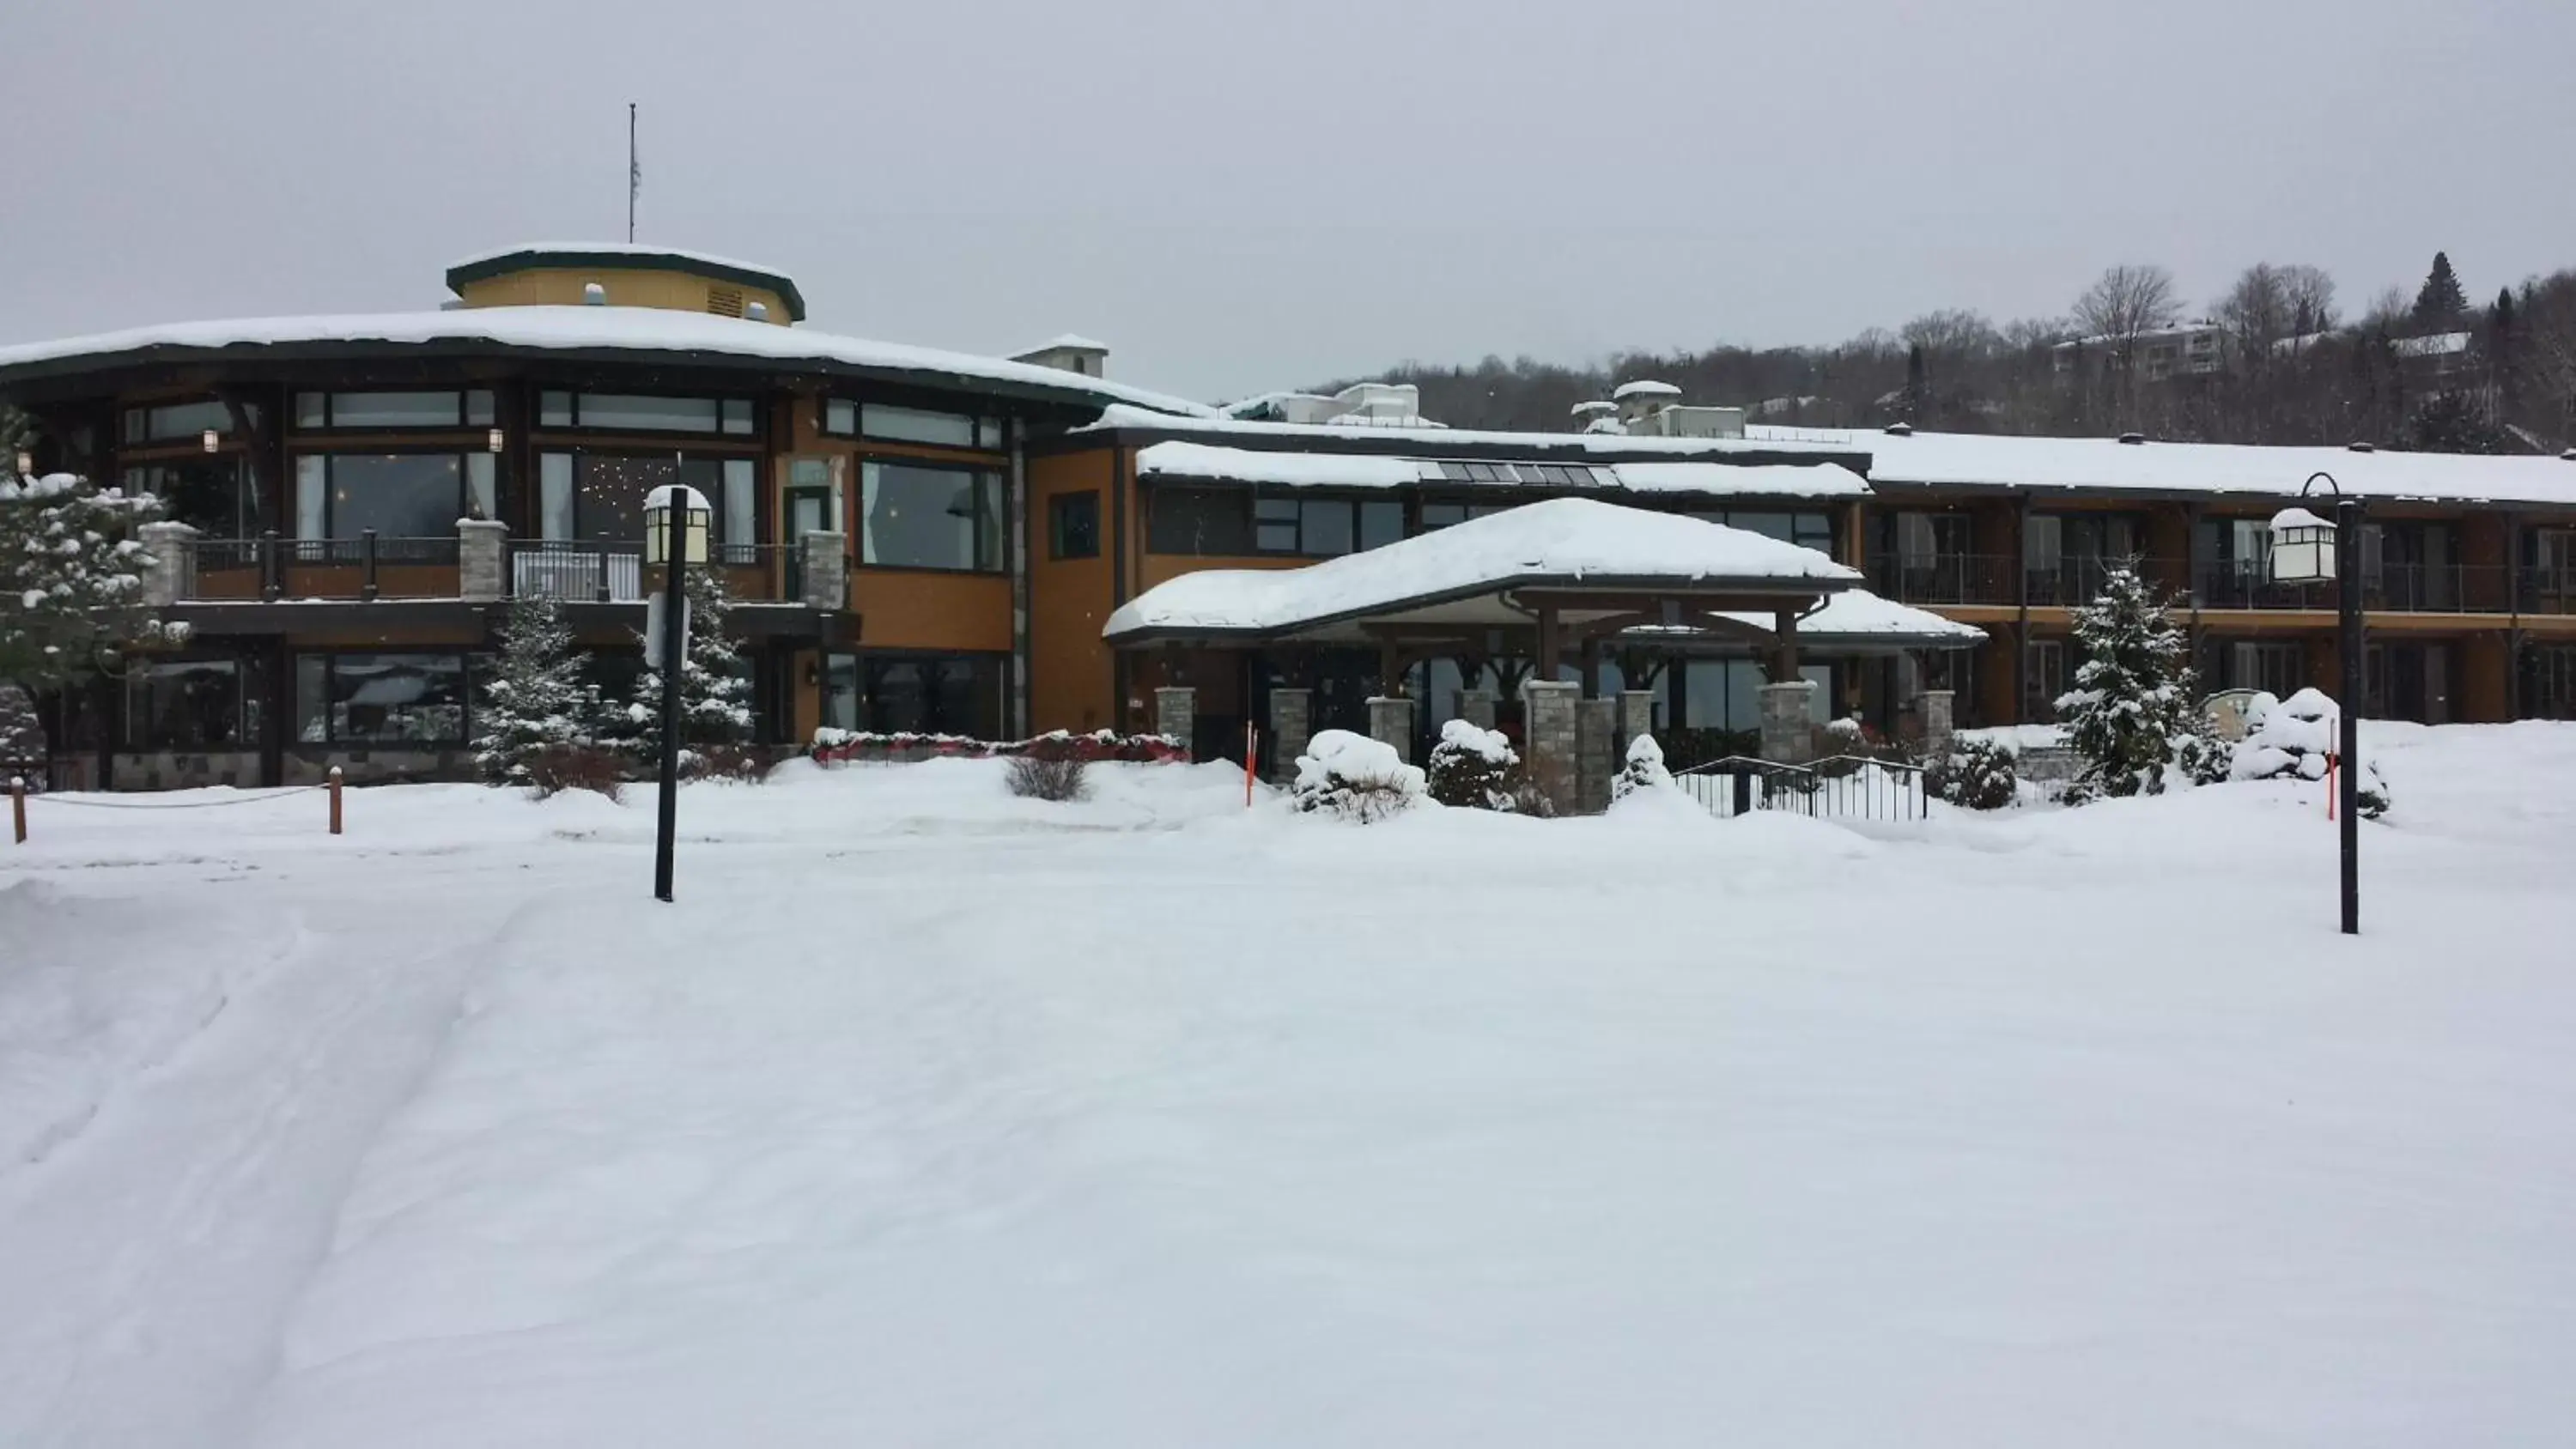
<point>2204,758</point>
<point>2128,707</point>
<point>1355,778</point>
<point>1474,768</point>
<point>715,709</point>
<point>1973,773</point>
<point>1643,769</point>
<point>2293,739</point>
<point>1058,778</point>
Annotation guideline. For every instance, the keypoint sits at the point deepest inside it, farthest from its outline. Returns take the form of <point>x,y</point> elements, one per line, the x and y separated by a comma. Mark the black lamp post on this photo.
<point>2307,549</point>
<point>676,521</point>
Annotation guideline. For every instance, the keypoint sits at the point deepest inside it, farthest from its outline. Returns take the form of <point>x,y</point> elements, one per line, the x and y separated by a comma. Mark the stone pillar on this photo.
<point>1636,717</point>
<point>173,574</point>
<point>1787,736</point>
<point>1391,722</point>
<point>482,559</point>
<point>1596,748</point>
<point>826,571</point>
<point>1476,707</point>
<point>1176,710</point>
<point>1291,711</point>
<point>1934,708</point>
<point>1547,747</point>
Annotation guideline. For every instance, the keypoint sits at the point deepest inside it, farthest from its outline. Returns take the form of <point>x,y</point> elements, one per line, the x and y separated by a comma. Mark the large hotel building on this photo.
<point>933,542</point>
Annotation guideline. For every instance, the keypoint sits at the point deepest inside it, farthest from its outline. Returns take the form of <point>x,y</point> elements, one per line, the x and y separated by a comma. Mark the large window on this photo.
<point>1198,521</point>
<point>1325,527</point>
<point>1073,525</point>
<point>922,516</point>
<point>398,495</point>
<point>178,422</point>
<point>192,704</point>
<point>1436,516</point>
<point>400,700</point>
<point>1807,530</point>
<point>955,694</point>
<point>314,410</point>
<point>209,494</point>
<point>845,418</point>
<point>600,496</point>
<point>636,413</point>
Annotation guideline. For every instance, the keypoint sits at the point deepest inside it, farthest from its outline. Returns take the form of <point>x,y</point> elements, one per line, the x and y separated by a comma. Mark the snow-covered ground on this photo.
<point>931,1116</point>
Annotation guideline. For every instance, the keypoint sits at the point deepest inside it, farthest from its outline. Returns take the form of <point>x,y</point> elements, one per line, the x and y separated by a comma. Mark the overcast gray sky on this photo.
<point>1243,197</point>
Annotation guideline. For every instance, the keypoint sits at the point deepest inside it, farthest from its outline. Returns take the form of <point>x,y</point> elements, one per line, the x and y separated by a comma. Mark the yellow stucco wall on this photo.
<point>669,289</point>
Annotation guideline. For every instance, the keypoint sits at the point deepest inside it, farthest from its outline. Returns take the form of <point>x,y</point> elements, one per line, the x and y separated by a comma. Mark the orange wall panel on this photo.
<point>927,609</point>
<point>1070,674</point>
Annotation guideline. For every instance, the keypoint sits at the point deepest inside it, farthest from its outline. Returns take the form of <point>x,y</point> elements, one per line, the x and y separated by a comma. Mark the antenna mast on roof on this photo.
<point>634,172</point>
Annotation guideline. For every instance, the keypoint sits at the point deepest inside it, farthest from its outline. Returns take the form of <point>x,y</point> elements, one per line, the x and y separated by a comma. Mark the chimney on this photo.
<point>1069,353</point>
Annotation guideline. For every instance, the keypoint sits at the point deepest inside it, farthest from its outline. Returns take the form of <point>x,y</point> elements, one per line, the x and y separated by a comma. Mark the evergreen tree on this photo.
<point>22,731</point>
<point>2130,709</point>
<point>2453,422</point>
<point>71,578</point>
<point>715,708</point>
<point>537,706</point>
<point>2440,303</point>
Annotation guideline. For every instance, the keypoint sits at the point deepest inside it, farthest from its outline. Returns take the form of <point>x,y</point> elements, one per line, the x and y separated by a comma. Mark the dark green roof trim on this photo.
<point>536,259</point>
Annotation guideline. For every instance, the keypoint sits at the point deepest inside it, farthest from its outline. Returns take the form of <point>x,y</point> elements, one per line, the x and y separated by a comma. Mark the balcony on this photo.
<point>479,563</point>
<point>362,568</point>
<point>613,571</point>
<point>1946,578</point>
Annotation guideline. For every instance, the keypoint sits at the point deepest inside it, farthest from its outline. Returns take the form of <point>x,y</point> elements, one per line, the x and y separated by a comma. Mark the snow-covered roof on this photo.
<point>1559,543</point>
<point>2435,344</point>
<point>1373,470</point>
<point>530,255</point>
<point>623,329</point>
<point>1217,426</point>
<point>1644,387</point>
<point>2043,465</point>
<point>1859,617</point>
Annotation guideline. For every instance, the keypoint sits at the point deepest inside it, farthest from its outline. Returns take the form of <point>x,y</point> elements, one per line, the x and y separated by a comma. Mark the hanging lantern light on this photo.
<point>2303,548</point>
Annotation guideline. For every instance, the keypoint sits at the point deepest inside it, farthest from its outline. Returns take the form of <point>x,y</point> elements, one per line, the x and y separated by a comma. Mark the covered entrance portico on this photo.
<point>1563,582</point>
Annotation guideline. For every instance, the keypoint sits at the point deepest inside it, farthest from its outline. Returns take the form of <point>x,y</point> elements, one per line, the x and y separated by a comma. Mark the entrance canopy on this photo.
<point>1588,565</point>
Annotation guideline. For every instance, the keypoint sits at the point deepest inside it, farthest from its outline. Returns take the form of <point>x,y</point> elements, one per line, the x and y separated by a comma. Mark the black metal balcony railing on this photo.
<point>2547,589</point>
<point>602,571</point>
<point>365,567</point>
<point>2077,579</point>
<point>1945,578</point>
<point>612,571</point>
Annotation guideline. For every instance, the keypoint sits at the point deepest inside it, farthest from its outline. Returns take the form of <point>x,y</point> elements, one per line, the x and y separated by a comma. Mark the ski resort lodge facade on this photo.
<point>923,541</point>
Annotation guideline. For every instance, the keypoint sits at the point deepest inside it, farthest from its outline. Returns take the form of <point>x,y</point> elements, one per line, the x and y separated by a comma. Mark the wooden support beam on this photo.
<point>1549,649</point>
<point>1784,653</point>
<point>1591,666</point>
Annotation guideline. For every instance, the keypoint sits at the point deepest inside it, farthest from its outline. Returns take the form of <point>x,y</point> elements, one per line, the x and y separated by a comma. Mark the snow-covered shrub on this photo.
<point>2293,739</point>
<point>1474,768</point>
<point>1973,773</point>
<point>1058,778</point>
<point>1355,778</point>
<point>2204,758</point>
<point>2131,694</point>
<point>22,730</point>
<point>1643,769</point>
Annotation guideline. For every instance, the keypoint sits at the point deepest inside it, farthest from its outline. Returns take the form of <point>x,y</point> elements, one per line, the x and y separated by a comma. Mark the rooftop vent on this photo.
<point>1900,430</point>
<point>593,295</point>
<point>725,301</point>
<point>2361,447</point>
<point>2133,438</point>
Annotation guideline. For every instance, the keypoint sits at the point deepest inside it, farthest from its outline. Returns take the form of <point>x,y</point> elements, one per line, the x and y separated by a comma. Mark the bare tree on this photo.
<point>1956,333</point>
<point>2128,301</point>
<point>2311,297</point>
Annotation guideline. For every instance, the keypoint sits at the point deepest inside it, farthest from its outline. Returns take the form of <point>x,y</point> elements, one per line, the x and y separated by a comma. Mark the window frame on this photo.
<point>473,668</point>
<point>750,434</point>
<point>465,409</point>
<point>466,499</point>
<point>985,432</point>
<point>127,437</point>
<point>725,462</point>
<point>989,490</point>
<point>1059,507</point>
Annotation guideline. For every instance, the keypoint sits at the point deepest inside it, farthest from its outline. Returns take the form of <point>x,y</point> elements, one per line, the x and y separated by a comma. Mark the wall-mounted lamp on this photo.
<point>594,295</point>
<point>492,440</point>
<point>26,463</point>
<point>210,440</point>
